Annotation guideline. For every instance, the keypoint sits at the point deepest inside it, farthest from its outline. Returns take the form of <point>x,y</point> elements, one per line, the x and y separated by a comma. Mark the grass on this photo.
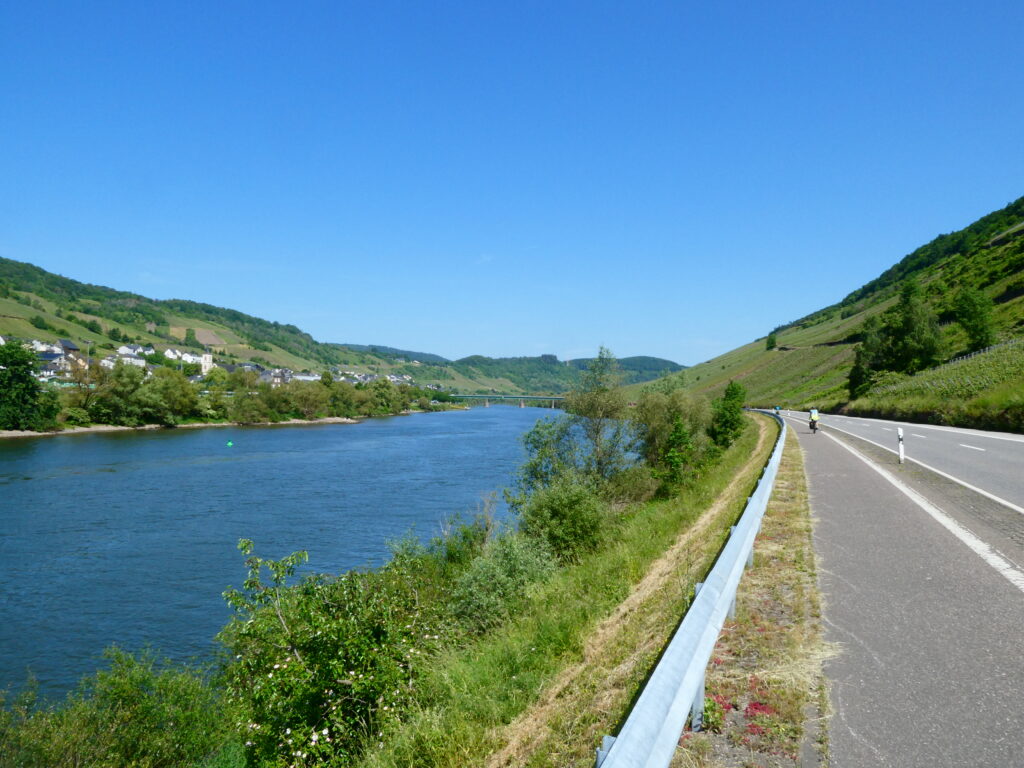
<point>541,691</point>
<point>765,682</point>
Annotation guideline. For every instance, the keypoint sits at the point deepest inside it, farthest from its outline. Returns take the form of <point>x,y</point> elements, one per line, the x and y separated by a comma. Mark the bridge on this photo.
<point>500,398</point>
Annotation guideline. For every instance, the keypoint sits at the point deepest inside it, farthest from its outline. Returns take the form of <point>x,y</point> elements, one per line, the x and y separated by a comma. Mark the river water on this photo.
<point>130,538</point>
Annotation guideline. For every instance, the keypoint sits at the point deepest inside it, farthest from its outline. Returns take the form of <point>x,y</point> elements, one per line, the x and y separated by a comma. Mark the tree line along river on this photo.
<point>130,538</point>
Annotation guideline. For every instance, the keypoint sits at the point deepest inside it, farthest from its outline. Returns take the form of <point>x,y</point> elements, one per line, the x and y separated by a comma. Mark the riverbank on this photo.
<point>17,433</point>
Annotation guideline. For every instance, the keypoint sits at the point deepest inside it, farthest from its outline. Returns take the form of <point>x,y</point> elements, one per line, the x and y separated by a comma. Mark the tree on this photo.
<point>867,359</point>
<point>24,403</point>
<point>913,336</point>
<point>974,313</point>
<point>772,341</point>
<point>727,421</point>
<point>598,407</point>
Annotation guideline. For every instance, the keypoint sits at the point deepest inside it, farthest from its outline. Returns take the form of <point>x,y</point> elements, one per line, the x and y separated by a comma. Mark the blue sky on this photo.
<point>670,179</point>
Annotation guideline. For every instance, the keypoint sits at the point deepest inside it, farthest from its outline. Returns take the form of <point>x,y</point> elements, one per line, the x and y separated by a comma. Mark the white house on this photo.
<point>172,354</point>
<point>188,357</point>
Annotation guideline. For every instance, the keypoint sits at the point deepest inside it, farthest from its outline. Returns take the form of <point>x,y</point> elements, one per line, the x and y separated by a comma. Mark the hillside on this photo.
<point>38,304</point>
<point>811,362</point>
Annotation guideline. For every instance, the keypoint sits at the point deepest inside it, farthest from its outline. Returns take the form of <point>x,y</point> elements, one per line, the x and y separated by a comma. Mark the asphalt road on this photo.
<point>992,461</point>
<point>928,618</point>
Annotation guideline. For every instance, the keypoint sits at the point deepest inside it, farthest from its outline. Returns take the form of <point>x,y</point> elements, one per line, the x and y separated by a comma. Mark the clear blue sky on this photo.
<point>671,179</point>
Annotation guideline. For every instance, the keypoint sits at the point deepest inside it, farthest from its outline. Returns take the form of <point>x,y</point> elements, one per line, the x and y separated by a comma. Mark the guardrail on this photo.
<point>675,691</point>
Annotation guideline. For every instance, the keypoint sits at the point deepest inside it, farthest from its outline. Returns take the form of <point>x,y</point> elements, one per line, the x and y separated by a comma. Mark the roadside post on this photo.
<point>899,435</point>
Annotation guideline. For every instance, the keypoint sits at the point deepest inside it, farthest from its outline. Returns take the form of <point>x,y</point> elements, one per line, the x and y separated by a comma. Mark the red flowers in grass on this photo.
<point>756,709</point>
<point>723,702</point>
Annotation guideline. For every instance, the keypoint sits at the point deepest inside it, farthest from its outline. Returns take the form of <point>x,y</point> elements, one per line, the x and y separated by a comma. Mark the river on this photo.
<point>130,538</point>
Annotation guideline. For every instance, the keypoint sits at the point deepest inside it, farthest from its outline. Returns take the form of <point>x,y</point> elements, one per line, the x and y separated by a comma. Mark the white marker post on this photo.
<point>899,435</point>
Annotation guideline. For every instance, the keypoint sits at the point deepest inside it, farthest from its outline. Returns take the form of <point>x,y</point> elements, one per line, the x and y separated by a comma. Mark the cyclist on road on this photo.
<point>814,419</point>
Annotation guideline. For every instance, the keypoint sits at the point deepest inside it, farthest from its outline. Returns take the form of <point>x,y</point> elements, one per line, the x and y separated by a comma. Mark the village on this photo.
<point>58,359</point>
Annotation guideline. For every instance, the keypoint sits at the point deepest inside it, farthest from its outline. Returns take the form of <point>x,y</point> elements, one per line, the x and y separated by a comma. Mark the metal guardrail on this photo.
<point>675,691</point>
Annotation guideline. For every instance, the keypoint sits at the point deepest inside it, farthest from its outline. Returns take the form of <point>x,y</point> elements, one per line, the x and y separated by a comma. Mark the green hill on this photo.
<point>811,361</point>
<point>38,304</point>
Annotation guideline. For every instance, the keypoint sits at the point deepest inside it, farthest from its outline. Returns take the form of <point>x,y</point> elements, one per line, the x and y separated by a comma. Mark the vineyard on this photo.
<point>984,390</point>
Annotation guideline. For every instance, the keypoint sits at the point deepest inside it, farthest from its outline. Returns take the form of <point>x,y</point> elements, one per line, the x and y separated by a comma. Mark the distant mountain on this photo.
<point>396,354</point>
<point>35,303</point>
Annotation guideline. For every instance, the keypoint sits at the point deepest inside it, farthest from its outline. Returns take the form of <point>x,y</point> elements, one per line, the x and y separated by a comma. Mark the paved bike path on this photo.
<point>931,665</point>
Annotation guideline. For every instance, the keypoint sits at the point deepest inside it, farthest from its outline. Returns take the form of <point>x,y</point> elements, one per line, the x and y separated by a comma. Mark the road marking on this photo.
<point>972,432</point>
<point>972,447</point>
<point>1005,568</point>
<point>917,435</point>
<point>887,429</point>
<point>946,475</point>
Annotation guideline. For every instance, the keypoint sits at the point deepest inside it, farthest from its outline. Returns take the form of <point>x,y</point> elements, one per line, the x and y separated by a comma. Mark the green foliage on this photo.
<point>138,713</point>
<point>772,341</point>
<point>24,402</point>
<point>125,396</point>
<point>321,666</point>
<point>713,717</point>
<point>40,322</point>
<point>566,516</point>
<point>727,420</point>
<point>672,429</point>
<point>913,333</point>
<point>598,407</point>
<point>553,450</point>
<point>496,581</point>
<point>907,341</point>
<point>974,313</point>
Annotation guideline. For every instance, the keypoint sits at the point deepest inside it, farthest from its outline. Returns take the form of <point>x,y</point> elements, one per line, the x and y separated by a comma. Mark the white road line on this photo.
<point>1005,568</point>
<point>946,475</point>
<point>972,432</point>
<point>887,429</point>
<point>972,447</point>
<point>917,435</point>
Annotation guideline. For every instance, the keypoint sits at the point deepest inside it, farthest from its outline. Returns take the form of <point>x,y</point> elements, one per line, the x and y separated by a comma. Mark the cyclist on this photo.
<point>814,419</point>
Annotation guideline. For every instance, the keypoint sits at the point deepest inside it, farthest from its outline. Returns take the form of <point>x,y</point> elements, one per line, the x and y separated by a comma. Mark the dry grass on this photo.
<point>766,680</point>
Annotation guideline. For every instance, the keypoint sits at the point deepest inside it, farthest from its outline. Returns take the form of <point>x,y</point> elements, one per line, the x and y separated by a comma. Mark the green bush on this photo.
<point>566,516</point>
<point>321,666</point>
<point>490,588</point>
<point>138,713</point>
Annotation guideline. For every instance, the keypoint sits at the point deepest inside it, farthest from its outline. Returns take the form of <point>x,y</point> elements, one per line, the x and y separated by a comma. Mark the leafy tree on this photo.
<point>727,421</point>
<point>913,336</point>
<point>170,395</point>
<point>39,322</point>
<point>190,337</point>
<point>216,378</point>
<point>974,313</point>
<point>598,406</point>
<point>772,341</point>
<point>868,358</point>
<point>24,402</point>
<point>116,400</point>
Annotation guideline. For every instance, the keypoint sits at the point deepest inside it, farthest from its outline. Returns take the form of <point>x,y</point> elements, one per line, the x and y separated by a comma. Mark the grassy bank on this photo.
<point>543,689</point>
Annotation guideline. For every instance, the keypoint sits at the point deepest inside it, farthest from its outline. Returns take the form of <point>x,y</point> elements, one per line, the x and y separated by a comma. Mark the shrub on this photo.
<point>138,713</point>
<point>494,582</point>
<point>566,515</point>
<point>320,666</point>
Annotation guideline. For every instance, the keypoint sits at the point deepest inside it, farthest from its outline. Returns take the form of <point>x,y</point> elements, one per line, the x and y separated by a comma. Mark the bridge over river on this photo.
<point>523,399</point>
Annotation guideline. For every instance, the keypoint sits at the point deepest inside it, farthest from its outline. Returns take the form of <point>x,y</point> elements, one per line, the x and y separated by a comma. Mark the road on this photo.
<point>991,461</point>
<point>923,583</point>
